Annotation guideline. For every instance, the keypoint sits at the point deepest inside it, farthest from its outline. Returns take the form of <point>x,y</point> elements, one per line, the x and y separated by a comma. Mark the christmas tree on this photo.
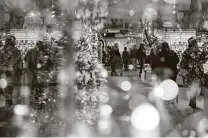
<point>55,115</point>
<point>89,72</point>
<point>88,77</point>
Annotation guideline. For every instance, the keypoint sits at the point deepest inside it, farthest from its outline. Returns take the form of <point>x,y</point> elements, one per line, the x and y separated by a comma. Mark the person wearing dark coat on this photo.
<point>133,52</point>
<point>141,54</point>
<point>114,59</point>
<point>125,57</point>
<point>165,63</point>
<point>35,64</point>
<point>11,65</point>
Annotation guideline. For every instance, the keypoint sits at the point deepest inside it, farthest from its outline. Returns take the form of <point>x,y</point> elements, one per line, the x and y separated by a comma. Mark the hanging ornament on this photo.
<point>131,12</point>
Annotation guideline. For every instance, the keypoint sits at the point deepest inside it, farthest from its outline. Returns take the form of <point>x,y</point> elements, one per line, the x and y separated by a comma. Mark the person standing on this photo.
<point>10,67</point>
<point>165,63</point>
<point>125,57</point>
<point>31,59</point>
<point>192,62</point>
<point>34,63</point>
<point>107,57</point>
<point>114,59</point>
<point>141,54</point>
<point>134,56</point>
<point>154,51</point>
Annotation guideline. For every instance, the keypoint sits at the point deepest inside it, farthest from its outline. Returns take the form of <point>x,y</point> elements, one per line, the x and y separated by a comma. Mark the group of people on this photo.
<point>122,60</point>
<point>12,68</point>
<point>11,65</point>
<point>166,64</point>
<point>190,66</point>
<point>135,56</point>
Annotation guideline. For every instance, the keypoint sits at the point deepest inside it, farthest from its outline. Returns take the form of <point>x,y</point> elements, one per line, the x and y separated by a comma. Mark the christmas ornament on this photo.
<point>131,12</point>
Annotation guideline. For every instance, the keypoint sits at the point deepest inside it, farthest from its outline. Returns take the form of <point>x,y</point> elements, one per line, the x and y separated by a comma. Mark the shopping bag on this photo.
<point>148,74</point>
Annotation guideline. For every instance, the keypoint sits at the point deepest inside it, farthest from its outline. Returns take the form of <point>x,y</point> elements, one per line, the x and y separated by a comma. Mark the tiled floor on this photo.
<point>119,100</point>
<point>177,115</point>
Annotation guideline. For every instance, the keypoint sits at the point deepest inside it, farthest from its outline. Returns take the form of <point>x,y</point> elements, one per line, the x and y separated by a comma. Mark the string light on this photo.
<point>130,67</point>
<point>32,14</point>
<point>145,118</point>
<point>168,90</point>
<point>126,85</point>
<point>21,110</point>
<point>106,110</point>
<point>174,6</point>
<point>3,83</point>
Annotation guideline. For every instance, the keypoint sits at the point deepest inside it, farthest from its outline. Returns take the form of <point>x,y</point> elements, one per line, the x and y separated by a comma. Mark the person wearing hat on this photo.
<point>192,62</point>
